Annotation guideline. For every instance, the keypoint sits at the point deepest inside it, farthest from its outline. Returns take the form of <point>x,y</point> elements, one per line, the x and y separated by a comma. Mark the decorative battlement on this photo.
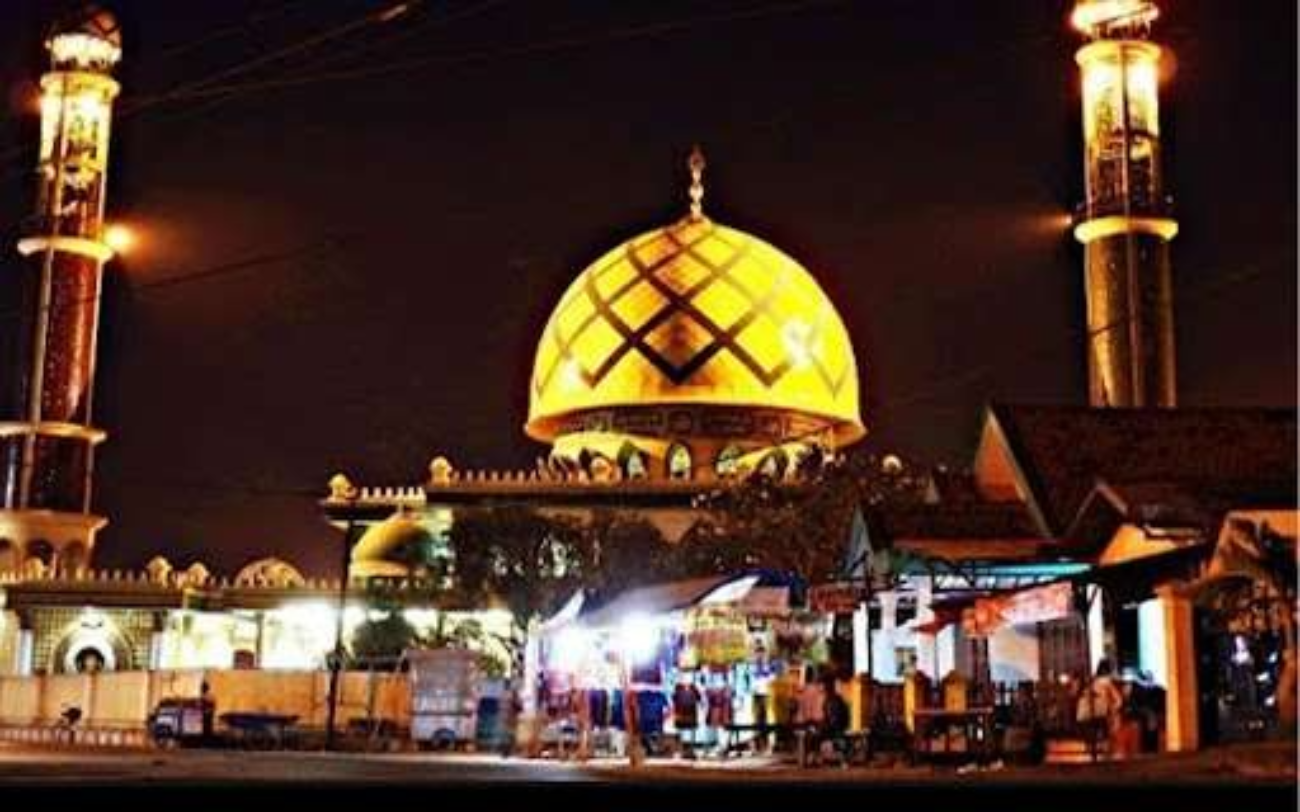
<point>444,480</point>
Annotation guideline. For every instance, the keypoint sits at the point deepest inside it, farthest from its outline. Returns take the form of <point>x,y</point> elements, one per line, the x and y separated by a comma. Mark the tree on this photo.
<point>801,526</point>
<point>623,551</point>
<point>530,561</point>
<point>385,634</point>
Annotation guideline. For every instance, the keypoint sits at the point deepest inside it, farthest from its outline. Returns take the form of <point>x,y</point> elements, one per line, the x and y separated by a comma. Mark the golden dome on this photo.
<point>388,548</point>
<point>695,313</point>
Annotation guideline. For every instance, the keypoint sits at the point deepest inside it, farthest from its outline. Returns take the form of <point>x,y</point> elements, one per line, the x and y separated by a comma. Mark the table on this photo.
<point>974,724</point>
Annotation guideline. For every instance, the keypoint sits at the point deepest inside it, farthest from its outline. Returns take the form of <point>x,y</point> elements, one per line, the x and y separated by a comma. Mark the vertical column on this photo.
<point>883,656</point>
<point>1182,723</point>
<point>1097,648</point>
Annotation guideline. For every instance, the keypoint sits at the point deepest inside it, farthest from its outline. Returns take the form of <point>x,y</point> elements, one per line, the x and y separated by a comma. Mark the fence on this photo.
<point>116,706</point>
<point>1047,706</point>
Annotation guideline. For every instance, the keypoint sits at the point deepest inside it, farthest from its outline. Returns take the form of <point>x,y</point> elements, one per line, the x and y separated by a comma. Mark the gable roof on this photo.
<point>1244,457</point>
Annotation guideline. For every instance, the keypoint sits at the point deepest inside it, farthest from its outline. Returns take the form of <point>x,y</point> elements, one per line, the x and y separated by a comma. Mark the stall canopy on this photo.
<point>761,590</point>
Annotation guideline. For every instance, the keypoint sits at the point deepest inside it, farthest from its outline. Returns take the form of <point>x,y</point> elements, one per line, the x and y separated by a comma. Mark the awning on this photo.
<point>659,599</point>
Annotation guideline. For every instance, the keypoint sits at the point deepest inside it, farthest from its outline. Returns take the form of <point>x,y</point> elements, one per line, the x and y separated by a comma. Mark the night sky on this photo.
<point>412,198</point>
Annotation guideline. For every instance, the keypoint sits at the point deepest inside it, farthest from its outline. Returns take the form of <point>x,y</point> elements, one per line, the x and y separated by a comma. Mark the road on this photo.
<point>21,764</point>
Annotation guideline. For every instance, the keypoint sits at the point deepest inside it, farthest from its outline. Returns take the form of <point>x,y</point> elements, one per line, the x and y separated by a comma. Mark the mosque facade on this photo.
<point>679,362</point>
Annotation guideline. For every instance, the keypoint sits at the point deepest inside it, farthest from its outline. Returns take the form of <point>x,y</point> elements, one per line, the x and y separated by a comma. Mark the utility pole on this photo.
<point>336,657</point>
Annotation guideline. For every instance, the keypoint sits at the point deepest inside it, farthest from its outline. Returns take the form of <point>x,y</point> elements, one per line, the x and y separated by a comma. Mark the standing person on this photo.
<point>1149,699</point>
<point>810,715</point>
<point>762,686</point>
<point>686,707</point>
<point>720,711</point>
<point>1099,707</point>
<point>511,707</point>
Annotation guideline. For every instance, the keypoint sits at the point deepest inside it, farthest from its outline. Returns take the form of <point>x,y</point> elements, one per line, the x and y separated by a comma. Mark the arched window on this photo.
<point>632,462</point>
<point>679,462</point>
<point>40,550</point>
<point>728,463</point>
<point>73,557</point>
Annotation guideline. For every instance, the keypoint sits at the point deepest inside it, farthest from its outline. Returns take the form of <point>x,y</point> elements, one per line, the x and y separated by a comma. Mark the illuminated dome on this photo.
<point>270,572</point>
<point>695,314</point>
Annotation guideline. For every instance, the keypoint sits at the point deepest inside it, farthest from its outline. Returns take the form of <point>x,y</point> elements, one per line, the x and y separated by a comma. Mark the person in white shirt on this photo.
<point>1100,707</point>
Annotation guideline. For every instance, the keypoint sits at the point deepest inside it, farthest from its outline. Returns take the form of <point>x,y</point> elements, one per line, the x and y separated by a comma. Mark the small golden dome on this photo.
<point>389,548</point>
<point>695,313</point>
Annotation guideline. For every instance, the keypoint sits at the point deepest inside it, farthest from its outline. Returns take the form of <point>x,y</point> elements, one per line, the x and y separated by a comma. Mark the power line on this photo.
<point>546,46</point>
<point>326,246</point>
<point>698,466</point>
<point>233,92</point>
<point>390,12</point>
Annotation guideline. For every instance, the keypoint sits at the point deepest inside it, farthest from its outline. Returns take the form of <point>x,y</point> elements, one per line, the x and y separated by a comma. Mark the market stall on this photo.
<point>688,667</point>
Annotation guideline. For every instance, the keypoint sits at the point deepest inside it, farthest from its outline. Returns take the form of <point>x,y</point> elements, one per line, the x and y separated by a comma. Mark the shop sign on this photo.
<point>1044,603</point>
<point>716,638</point>
<point>838,599</point>
<point>1050,602</point>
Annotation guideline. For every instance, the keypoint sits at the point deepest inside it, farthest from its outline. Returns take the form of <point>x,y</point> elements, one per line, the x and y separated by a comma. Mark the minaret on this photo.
<point>47,441</point>
<point>1126,222</point>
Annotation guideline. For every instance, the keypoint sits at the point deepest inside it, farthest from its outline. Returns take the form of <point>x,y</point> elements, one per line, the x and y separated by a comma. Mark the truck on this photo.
<point>445,687</point>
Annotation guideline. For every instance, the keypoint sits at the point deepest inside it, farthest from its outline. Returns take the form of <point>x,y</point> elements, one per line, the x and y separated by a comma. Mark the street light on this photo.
<point>121,238</point>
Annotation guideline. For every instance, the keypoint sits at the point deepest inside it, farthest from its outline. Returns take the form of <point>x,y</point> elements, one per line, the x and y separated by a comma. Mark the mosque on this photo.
<point>680,362</point>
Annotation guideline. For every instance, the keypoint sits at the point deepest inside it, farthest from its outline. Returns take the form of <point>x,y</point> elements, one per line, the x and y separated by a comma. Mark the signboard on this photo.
<point>716,637</point>
<point>1050,602</point>
<point>842,598</point>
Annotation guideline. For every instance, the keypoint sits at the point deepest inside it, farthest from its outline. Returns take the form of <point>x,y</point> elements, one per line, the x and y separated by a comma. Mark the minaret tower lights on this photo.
<point>1126,222</point>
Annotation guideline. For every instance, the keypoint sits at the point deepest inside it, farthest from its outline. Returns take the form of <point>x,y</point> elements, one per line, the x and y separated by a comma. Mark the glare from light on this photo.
<point>572,647</point>
<point>639,639</point>
<point>797,337</point>
<point>121,238</point>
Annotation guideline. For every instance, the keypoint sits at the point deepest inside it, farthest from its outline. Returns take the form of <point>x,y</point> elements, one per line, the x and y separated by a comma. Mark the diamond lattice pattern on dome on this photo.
<point>695,312</point>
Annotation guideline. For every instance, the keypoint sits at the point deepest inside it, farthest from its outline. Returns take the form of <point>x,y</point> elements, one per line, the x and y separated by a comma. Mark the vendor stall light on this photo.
<point>638,638</point>
<point>572,647</point>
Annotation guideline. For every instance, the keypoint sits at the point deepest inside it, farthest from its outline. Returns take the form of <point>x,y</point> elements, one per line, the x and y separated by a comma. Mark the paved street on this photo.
<point>1261,765</point>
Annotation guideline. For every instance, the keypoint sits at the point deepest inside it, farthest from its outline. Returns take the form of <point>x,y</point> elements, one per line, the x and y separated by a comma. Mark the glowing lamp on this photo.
<point>638,639</point>
<point>120,238</point>
<point>572,647</point>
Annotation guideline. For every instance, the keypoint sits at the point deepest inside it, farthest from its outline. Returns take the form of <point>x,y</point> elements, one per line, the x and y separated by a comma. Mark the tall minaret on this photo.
<point>47,442</point>
<point>1126,222</point>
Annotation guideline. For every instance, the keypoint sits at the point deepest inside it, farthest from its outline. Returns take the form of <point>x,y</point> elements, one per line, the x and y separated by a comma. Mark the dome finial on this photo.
<point>696,165</point>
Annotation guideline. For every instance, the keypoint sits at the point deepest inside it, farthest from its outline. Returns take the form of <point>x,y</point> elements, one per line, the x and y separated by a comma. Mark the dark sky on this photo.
<point>918,156</point>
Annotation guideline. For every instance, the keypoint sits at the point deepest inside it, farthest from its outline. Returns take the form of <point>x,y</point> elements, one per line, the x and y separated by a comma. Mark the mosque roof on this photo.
<point>695,313</point>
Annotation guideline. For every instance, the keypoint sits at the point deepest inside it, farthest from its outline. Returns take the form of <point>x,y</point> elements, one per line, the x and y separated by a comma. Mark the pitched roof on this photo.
<point>973,520</point>
<point>1221,457</point>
